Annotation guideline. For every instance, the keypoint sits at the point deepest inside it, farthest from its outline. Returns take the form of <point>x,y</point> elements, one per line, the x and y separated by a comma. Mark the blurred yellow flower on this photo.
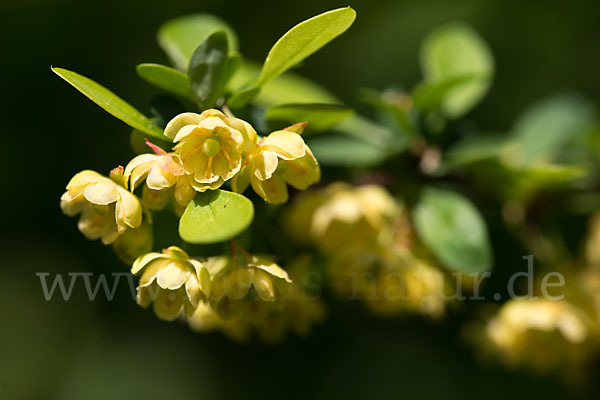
<point>543,334</point>
<point>172,280</point>
<point>344,216</point>
<point>210,146</point>
<point>388,281</point>
<point>162,171</point>
<point>107,208</point>
<point>279,159</point>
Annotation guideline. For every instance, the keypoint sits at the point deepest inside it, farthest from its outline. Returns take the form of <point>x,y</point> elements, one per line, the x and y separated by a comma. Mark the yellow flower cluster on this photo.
<point>370,248</point>
<point>210,148</point>
<point>233,294</point>
<point>214,148</point>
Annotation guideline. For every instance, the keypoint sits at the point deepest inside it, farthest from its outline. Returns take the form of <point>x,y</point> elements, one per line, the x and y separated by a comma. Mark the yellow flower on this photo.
<point>390,282</point>
<point>344,216</point>
<point>233,278</point>
<point>162,171</point>
<point>543,334</point>
<point>107,208</point>
<point>210,146</point>
<point>279,159</point>
<point>174,281</point>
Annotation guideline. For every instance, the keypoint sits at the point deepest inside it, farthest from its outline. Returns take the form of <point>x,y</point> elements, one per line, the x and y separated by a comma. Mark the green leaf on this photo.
<point>180,37</point>
<point>475,149</point>
<point>215,216</point>
<point>339,150</point>
<point>234,61</point>
<point>544,130</point>
<point>430,96</point>
<point>208,70</point>
<point>320,117</point>
<point>166,78</point>
<point>452,52</point>
<point>286,88</point>
<point>303,40</point>
<point>111,103</point>
<point>451,226</point>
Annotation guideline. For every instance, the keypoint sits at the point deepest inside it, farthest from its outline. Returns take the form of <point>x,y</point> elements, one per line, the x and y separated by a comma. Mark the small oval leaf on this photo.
<point>451,226</point>
<point>304,39</point>
<point>180,37</point>
<point>452,52</point>
<point>111,103</point>
<point>215,216</point>
<point>548,127</point>
<point>165,78</point>
<point>208,69</point>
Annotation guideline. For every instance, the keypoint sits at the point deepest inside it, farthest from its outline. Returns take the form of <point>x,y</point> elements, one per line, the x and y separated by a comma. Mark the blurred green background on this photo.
<point>98,350</point>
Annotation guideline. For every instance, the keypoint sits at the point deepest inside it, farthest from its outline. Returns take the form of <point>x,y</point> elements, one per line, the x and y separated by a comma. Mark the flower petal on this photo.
<point>264,165</point>
<point>129,209</point>
<point>138,167</point>
<point>151,271</point>
<point>241,180</point>
<point>144,260</point>
<point>247,131</point>
<point>203,276</point>
<point>84,178</point>
<point>287,145</point>
<point>303,172</point>
<point>72,206</point>
<point>156,180</point>
<point>264,286</point>
<point>273,191</point>
<point>172,276</point>
<point>211,123</point>
<point>101,193</point>
<point>175,125</point>
<point>192,290</point>
<point>186,131</point>
<point>168,304</point>
<point>184,192</point>
<point>267,265</point>
<point>91,223</point>
<point>238,282</point>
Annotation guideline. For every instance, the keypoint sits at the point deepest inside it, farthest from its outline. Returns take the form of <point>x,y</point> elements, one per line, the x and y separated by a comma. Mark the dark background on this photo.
<point>98,350</point>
